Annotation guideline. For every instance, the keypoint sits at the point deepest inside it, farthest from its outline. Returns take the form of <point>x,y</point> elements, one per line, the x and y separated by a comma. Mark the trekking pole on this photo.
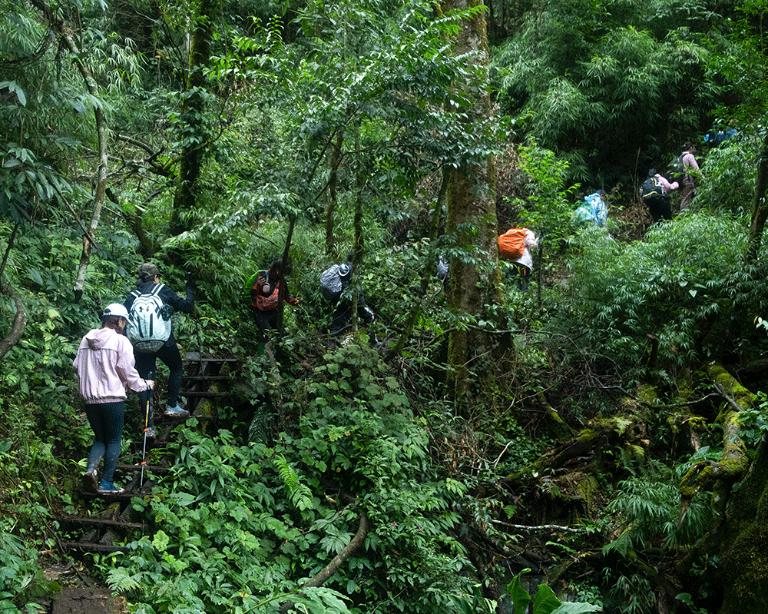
<point>147,412</point>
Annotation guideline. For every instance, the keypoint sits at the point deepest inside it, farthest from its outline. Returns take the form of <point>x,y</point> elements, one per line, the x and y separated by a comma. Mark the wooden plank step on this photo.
<point>127,496</point>
<point>203,394</point>
<point>147,468</point>
<point>93,547</point>
<point>100,522</point>
<point>196,357</point>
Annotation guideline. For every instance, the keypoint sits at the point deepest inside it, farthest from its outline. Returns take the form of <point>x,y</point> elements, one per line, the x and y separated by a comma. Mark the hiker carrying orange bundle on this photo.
<point>515,245</point>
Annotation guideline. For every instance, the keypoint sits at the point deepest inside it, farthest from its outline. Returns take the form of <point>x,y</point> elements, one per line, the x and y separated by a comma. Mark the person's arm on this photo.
<point>531,241</point>
<point>174,300</point>
<point>291,300</point>
<point>668,187</point>
<point>126,368</point>
<point>129,301</point>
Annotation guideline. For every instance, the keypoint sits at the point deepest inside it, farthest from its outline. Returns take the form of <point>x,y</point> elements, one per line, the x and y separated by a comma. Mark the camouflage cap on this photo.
<point>148,270</point>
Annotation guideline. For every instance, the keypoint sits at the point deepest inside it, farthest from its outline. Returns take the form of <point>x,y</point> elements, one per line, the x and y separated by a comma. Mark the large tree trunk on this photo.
<point>100,181</point>
<point>330,211</point>
<point>357,225</point>
<point>759,205</point>
<point>471,219</point>
<point>193,110</point>
<point>20,321</point>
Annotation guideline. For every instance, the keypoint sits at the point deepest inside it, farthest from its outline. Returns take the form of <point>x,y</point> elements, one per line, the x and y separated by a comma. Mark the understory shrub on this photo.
<point>240,525</point>
<point>676,285</point>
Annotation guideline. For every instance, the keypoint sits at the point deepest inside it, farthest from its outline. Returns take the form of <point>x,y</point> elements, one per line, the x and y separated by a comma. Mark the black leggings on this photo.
<point>659,208</point>
<point>106,420</point>
<point>169,354</point>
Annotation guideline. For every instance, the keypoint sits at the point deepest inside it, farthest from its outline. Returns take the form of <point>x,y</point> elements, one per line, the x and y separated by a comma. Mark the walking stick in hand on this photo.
<point>147,413</point>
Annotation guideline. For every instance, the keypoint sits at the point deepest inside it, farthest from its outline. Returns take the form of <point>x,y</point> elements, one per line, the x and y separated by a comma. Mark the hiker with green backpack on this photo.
<point>654,192</point>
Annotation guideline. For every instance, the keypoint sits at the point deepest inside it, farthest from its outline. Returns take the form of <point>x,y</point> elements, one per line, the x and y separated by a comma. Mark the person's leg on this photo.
<point>653,209</point>
<point>146,363</point>
<point>171,357</point>
<point>524,277</point>
<point>95,419</point>
<point>114,415</point>
<point>687,191</point>
<point>262,321</point>
<point>665,208</point>
<point>341,316</point>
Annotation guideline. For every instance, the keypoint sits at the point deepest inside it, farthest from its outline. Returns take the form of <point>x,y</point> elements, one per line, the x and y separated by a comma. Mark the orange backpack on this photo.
<point>512,243</point>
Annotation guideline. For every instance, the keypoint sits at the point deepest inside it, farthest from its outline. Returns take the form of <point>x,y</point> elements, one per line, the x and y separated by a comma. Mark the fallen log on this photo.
<point>719,475</point>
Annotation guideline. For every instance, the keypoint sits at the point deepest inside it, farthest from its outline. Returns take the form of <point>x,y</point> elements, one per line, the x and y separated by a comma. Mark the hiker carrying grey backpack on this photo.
<point>150,307</point>
<point>334,282</point>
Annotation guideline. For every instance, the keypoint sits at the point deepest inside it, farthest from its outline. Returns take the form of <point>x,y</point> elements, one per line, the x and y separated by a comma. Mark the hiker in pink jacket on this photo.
<point>105,366</point>
<point>691,169</point>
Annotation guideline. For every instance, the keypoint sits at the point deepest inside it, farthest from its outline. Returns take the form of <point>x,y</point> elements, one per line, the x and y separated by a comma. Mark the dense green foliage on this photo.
<point>237,132</point>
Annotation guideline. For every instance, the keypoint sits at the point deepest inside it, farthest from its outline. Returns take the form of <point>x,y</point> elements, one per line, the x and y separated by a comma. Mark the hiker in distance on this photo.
<point>150,307</point>
<point>105,368</point>
<point>690,168</point>
<point>515,246</point>
<point>655,194</point>
<point>334,282</point>
<point>265,298</point>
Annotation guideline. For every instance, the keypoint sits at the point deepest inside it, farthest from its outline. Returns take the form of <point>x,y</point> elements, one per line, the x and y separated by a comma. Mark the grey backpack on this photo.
<point>333,281</point>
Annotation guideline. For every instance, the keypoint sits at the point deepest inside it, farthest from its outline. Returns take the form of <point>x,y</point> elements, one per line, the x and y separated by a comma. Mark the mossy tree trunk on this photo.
<point>471,219</point>
<point>194,137</point>
<point>759,206</point>
<point>744,548</point>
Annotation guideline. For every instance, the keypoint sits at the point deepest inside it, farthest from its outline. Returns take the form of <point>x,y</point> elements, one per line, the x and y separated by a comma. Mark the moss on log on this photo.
<point>718,476</point>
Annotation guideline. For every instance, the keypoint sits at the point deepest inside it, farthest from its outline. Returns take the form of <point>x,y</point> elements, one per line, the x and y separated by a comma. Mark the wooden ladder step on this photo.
<point>93,547</point>
<point>203,394</point>
<point>100,522</point>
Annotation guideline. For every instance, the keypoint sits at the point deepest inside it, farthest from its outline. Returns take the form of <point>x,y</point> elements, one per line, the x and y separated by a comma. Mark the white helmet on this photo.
<point>115,309</point>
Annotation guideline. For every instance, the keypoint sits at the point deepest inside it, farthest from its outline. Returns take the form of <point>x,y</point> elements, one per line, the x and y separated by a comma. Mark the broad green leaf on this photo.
<point>520,597</point>
<point>545,601</point>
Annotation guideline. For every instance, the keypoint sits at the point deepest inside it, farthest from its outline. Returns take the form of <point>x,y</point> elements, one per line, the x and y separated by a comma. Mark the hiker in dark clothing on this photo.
<point>149,279</point>
<point>655,194</point>
<point>334,282</point>
<point>265,295</point>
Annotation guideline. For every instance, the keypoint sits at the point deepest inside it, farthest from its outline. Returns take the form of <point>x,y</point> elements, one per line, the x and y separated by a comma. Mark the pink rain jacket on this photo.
<point>105,366</point>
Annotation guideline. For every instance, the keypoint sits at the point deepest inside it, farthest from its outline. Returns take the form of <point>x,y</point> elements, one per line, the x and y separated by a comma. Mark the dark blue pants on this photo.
<point>106,420</point>
<point>169,354</point>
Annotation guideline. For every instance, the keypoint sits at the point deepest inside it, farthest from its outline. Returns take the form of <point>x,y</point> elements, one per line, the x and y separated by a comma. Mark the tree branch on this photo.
<point>68,39</point>
<point>331,568</point>
<point>19,322</point>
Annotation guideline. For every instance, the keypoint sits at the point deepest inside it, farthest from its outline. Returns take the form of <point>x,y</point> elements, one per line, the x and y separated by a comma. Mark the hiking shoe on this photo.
<point>176,412</point>
<point>109,488</point>
<point>150,432</point>
<point>90,483</point>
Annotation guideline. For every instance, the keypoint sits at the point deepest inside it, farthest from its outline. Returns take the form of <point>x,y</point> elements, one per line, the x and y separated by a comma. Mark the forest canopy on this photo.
<point>407,412</point>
